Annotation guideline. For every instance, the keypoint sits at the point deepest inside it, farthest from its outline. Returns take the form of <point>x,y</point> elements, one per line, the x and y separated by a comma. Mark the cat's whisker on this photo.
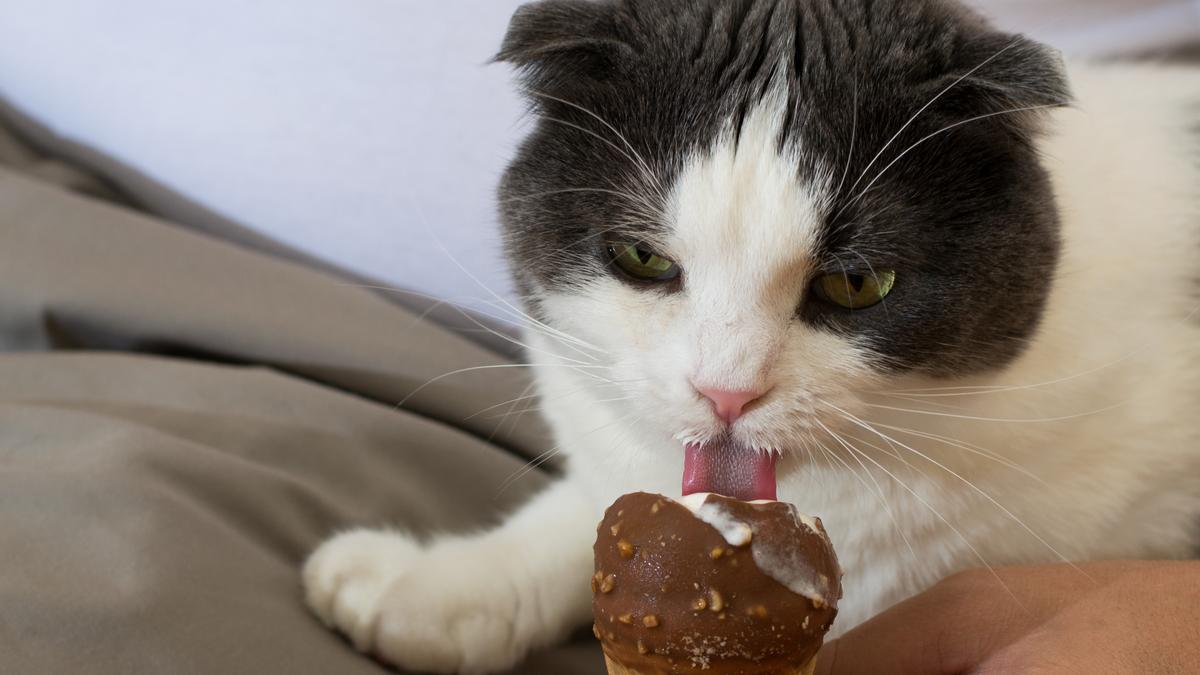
<point>935,134</point>
<point>632,419</point>
<point>570,341</point>
<point>541,459</point>
<point>883,301</point>
<point>592,361</point>
<point>893,450</point>
<point>890,451</point>
<point>504,366</point>
<point>528,468</point>
<point>878,488</point>
<point>924,108</point>
<point>597,402</point>
<point>638,205</point>
<point>456,304</point>
<point>807,448</point>
<point>922,402</point>
<point>641,204</point>
<point>969,390</point>
<point>508,338</point>
<point>636,380</point>
<point>473,314</point>
<point>967,447</point>
<point>640,160</point>
<point>853,141</point>
<point>633,199</point>
<point>999,420</point>
<point>594,235</point>
<point>937,514</point>
<point>649,177</point>
<point>525,396</point>
<point>846,273</point>
<point>500,426</point>
<point>523,321</point>
<point>566,339</point>
<point>973,487</point>
<point>958,392</point>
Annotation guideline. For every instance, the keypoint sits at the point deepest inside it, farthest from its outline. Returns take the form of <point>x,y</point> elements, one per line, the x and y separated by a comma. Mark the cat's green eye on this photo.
<point>855,291</point>
<point>642,264</point>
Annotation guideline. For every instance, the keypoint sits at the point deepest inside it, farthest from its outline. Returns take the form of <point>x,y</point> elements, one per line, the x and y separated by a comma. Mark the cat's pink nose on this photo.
<point>729,405</point>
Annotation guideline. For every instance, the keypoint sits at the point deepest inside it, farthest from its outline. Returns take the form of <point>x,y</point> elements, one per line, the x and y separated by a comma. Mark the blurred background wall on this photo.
<point>367,134</point>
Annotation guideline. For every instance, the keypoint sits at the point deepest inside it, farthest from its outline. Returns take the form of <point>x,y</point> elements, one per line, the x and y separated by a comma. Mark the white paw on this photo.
<point>347,577</point>
<point>447,609</point>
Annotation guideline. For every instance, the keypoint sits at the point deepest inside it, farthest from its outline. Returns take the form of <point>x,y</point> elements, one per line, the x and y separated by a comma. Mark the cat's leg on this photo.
<point>466,604</point>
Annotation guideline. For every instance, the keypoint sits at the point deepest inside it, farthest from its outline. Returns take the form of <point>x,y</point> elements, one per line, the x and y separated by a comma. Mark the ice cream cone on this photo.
<point>615,668</point>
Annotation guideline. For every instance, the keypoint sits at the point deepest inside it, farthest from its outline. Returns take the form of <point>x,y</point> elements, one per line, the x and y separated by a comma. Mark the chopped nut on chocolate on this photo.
<point>700,605</point>
<point>650,621</point>
<point>715,602</point>
<point>615,529</point>
<point>608,584</point>
<point>626,619</point>
<point>625,549</point>
<point>717,553</point>
<point>758,611</point>
<point>642,648</point>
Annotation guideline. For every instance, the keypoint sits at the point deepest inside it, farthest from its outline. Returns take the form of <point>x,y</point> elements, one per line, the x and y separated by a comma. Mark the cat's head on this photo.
<point>758,209</point>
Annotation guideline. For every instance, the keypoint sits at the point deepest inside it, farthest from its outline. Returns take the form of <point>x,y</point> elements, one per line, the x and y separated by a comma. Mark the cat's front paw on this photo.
<point>347,577</point>
<point>447,609</point>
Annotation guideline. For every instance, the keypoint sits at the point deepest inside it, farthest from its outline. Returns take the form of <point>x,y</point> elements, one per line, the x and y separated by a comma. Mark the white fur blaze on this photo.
<point>747,229</point>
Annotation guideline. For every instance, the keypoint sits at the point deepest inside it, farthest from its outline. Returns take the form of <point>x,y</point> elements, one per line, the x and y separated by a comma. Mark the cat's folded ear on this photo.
<point>1009,76</point>
<point>559,42</point>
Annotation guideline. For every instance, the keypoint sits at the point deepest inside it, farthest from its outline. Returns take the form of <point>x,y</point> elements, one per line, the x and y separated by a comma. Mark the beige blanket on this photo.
<point>182,421</point>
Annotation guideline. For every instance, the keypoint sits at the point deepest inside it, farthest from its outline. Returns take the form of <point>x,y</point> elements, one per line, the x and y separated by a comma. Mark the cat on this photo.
<point>937,287</point>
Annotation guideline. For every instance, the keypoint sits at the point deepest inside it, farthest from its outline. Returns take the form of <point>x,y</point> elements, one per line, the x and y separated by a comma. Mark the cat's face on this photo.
<point>784,201</point>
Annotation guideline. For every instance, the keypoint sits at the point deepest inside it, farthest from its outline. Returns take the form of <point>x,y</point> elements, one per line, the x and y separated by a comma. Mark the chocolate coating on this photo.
<point>672,595</point>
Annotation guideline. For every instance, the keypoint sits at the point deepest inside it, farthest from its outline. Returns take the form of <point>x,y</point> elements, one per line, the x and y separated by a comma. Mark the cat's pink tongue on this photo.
<point>730,470</point>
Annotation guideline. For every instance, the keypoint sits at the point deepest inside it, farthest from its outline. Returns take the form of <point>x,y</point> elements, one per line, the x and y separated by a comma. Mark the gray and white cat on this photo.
<point>871,252</point>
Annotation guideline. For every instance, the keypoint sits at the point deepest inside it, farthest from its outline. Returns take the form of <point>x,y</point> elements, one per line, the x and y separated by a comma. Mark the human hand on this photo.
<point>1110,618</point>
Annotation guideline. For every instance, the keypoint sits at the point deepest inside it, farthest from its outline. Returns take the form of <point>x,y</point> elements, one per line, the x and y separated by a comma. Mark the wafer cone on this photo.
<point>615,668</point>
